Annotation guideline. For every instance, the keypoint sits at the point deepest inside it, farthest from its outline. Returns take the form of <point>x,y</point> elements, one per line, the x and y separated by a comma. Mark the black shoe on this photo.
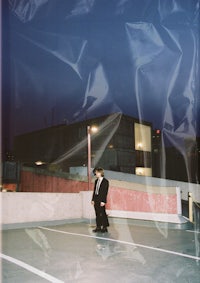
<point>104,230</point>
<point>96,230</point>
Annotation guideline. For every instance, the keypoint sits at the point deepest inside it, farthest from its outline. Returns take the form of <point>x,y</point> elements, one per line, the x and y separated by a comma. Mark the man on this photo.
<point>99,200</point>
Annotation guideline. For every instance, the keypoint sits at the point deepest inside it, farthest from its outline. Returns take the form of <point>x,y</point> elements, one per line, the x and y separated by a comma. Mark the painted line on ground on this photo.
<point>123,242</point>
<point>31,268</point>
<point>193,231</point>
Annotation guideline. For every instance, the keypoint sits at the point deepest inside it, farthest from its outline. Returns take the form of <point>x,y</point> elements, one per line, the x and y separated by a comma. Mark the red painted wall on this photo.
<point>32,182</point>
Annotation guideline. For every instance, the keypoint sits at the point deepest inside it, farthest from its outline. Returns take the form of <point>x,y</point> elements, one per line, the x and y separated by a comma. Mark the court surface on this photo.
<point>129,253</point>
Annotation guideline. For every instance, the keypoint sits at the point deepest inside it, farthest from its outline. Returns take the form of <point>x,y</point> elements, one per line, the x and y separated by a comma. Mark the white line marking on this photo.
<point>123,242</point>
<point>192,231</point>
<point>31,268</point>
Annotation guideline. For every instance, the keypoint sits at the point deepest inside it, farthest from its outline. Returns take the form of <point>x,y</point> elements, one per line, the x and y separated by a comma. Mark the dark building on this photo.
<point>177,165</point>
<point>121,143</point>
<point>156,153</point>
<point>183,166</point>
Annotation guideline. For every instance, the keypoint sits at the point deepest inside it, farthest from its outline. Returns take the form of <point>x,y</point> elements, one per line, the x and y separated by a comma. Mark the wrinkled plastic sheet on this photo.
<point>73,60</point>
<point>85,57</point>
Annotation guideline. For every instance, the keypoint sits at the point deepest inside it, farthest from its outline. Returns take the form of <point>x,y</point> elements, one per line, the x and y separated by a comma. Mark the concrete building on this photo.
<point>121,143</point>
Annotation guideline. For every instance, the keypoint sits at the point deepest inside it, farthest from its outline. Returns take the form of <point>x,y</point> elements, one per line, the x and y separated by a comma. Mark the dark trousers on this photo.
<point>101,216</point>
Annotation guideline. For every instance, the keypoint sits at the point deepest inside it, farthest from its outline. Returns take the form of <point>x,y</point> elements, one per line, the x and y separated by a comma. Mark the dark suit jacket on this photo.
<point>103,191</point>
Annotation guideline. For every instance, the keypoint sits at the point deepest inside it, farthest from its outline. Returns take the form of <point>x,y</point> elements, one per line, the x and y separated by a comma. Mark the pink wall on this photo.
<point>129,200</point>
<point>119,198</point>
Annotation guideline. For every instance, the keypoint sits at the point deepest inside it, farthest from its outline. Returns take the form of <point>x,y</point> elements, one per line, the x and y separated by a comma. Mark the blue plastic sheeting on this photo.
<point>73,60</point>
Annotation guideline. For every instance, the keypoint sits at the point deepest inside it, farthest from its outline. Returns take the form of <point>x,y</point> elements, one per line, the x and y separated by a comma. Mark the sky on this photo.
<point>66,61</point>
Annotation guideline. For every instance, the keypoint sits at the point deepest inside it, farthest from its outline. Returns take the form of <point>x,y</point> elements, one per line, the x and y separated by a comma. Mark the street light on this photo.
<point>39,162</point>
<point>90,130</point>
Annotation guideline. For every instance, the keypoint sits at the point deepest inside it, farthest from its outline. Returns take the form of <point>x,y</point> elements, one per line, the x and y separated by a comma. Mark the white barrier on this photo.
<point>33,207</point>
<point>38,207</point>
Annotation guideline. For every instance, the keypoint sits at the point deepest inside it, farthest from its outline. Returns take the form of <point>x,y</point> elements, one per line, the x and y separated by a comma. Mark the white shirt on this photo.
<point>98,185</point>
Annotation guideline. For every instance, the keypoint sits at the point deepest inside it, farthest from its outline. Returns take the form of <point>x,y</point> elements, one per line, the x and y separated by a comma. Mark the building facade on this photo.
<point>121,143</point>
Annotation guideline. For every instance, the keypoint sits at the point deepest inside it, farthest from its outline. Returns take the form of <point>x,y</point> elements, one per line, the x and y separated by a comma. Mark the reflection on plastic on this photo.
<point>73,60</point>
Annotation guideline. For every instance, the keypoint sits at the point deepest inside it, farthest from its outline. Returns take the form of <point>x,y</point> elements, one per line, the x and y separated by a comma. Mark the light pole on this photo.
<point>89,131</point>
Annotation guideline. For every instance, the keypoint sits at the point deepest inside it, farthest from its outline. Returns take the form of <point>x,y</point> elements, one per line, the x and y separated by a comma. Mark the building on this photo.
<point>156,153</point>
<point>121,143</point>
<point>170,163</point>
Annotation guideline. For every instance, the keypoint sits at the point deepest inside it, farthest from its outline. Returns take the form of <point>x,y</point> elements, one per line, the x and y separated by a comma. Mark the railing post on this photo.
<point>190,200</point>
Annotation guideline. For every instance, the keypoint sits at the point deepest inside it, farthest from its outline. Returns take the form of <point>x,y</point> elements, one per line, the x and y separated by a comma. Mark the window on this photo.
<point>143,150</point>
<point>142,137</point>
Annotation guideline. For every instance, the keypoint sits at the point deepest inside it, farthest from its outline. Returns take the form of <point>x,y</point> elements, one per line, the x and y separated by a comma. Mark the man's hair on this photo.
<point>99,169</point>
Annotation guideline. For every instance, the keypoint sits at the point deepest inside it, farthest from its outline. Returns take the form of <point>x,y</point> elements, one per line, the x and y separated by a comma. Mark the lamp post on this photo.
<point>89,156</point>
<point>89,131</point>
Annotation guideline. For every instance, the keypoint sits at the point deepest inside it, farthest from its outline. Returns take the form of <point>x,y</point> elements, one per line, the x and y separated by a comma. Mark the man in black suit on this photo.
<point>99,200</point>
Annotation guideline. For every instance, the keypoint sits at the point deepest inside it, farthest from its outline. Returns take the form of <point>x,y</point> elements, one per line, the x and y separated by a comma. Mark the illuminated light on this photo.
<point>139,171</point>
<point>143,171</point>
<point>94,129</point>
<point>157,131</point>
<point>39,162</point>
<point>140,145</point>
<point>110,146</point>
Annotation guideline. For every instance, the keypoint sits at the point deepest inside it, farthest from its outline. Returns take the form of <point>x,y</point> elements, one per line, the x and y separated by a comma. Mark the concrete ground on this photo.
<point>140,252</point>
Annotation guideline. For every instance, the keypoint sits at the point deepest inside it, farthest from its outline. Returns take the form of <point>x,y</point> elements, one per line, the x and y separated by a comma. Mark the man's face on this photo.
<point>98,174</point>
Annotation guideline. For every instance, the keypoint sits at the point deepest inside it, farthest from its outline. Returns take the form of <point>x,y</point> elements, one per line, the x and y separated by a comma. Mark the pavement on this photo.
<point>132,251</point>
